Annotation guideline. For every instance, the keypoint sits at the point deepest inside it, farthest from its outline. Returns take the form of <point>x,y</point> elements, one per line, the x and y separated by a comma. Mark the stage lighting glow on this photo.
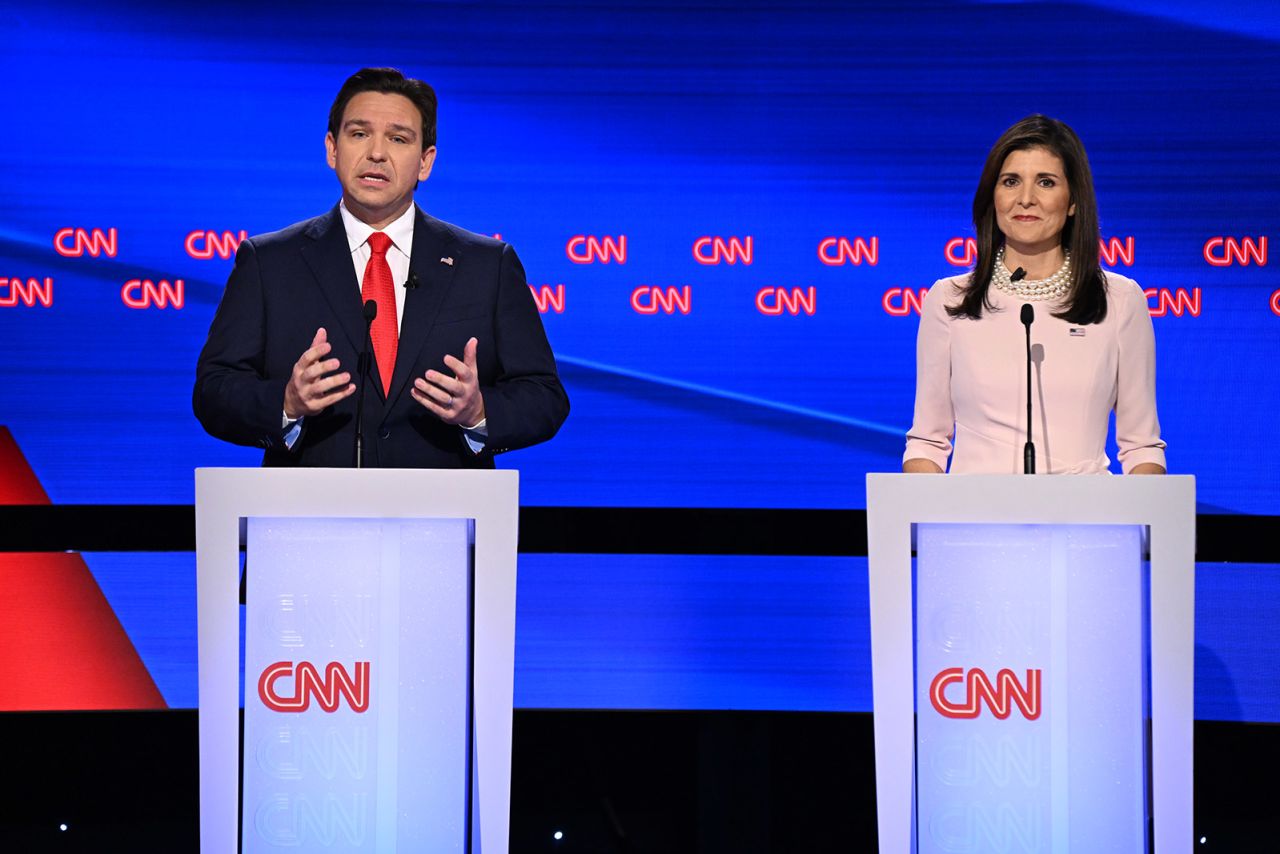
<point>557,836</point>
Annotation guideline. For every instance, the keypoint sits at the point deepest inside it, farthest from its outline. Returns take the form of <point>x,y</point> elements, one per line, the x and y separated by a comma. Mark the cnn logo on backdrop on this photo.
<point>305,683</point>
<point>999,697</point>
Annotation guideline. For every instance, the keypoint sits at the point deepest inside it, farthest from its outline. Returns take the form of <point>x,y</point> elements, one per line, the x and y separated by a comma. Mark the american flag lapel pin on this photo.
<point>447,260</point>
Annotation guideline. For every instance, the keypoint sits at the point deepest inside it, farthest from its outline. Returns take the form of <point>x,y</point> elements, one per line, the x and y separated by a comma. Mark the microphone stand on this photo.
<point>1028,449</point>
<point>370,312</point>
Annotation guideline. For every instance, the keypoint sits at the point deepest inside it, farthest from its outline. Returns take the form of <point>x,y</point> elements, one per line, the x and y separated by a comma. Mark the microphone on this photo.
<point>1017,276</point>
<point>411,284</point>
<point>362,368</point>
<point>1028,450</point>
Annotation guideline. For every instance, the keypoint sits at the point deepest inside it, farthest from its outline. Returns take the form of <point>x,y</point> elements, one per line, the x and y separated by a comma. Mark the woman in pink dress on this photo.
<point>1093,347</point>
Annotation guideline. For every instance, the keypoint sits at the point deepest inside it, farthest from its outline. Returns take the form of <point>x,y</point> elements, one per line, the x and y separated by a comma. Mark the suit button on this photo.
<point>384,433</point>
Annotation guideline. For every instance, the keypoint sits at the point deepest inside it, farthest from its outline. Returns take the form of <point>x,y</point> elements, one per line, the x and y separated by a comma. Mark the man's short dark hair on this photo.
<point>392,82</point>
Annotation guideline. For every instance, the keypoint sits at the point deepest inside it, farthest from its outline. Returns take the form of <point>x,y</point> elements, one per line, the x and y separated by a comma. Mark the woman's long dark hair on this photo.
<point>1086,300</point>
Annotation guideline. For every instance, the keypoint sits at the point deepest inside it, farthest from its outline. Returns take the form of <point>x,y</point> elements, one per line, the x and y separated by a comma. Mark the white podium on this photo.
<point>1032,676</point>
<point>379,645</point>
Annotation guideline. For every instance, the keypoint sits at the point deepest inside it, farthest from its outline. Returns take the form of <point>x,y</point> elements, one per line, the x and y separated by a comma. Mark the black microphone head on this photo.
<point>1018,275</point>
<point>370,310</point>
<point>412,282</point>
<point>1028,314</point>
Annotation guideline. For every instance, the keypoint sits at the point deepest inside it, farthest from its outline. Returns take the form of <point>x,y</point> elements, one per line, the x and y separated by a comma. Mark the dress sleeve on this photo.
<point>1137,425</point>
<point>934,424</point>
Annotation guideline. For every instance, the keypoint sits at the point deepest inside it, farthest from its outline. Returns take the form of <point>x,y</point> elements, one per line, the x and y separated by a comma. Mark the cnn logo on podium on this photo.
<point>1000,697</point>
<point>307,682</point>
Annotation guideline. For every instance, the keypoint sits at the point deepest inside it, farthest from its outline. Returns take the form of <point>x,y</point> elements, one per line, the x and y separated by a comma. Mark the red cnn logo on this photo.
<point>1173,302</point>
<point>548,298</point>
<point>775,301</point>
<point>85,242</point>
<point>587,249</point>
<point>144,293</point>
<point>716,250</point>
<point>205,244</point>
<point>968,254</point>
<point>27,293</point>
<point>836,251</point>
<point>901,302</point>
<point>1225,251</point>
<point>650,299</point>
<point>1000,698</point>
<point>1275,303</point>
<point>1113,250</point>
<point>307,683</point>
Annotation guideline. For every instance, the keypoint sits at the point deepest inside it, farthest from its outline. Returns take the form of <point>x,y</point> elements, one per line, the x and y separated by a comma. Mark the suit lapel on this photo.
<point>329,257</point>
<point>432,245</point>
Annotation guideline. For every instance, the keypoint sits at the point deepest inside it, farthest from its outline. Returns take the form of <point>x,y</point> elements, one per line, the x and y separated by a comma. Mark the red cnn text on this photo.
<point>31,292</point>
<point>1115,251</point>
<point>1176,302</point>
<point>717,250</point>
<point>144,293</point>
<point>836,251</point>
<point>589,249</point>
<point>901,302</point>
<point>206,244</point>
<point>75,242</point>
<point>548,298</point>
<point>1225,251</point>
<point>651,299</point>
<point>305,682</point>
<point>1000,698</point>
<point>961,251</point>
<point>775,301</point>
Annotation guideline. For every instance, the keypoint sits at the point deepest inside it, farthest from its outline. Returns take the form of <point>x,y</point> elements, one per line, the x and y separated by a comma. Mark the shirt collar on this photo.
<point>400,231</point>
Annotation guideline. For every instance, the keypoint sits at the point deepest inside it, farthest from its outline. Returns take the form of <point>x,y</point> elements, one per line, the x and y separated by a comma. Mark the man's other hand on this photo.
<point>453,399</point>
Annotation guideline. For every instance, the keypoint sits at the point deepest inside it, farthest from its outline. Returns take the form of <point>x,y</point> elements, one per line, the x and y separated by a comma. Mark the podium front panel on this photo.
<point>451,767</point>
<point>1030,688</point>
<point>900,508</point>
<point>357,684</point>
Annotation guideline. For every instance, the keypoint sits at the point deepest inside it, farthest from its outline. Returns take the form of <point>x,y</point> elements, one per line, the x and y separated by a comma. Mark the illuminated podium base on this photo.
<point>379,639</point>
<point>1033,675</point>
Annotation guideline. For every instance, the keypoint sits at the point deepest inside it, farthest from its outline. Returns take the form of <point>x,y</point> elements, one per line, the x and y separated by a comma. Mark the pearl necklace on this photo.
<point>1033,289</point>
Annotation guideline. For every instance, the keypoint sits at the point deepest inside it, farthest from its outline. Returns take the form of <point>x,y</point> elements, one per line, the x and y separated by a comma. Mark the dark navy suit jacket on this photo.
<point>287,284</point>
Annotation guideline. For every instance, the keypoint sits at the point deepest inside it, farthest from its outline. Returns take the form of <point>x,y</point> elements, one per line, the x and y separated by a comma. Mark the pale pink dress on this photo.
<point>971,398</point>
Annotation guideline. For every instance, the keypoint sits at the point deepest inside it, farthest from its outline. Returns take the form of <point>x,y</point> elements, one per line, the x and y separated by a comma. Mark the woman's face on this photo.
<point>1033,200</point>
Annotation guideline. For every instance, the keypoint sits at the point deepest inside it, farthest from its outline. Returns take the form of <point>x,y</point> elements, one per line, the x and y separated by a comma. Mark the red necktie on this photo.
<point>377,286</point>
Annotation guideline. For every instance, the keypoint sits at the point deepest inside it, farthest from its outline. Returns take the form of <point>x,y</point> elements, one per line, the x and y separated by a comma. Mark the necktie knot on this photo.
<point>379,243</point>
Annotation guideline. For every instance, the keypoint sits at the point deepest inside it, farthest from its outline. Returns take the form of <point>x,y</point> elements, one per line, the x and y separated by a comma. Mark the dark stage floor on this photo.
<point>633,782</point>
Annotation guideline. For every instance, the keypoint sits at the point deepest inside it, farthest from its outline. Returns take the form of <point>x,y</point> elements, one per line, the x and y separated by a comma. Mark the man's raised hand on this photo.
<point>314,385</point>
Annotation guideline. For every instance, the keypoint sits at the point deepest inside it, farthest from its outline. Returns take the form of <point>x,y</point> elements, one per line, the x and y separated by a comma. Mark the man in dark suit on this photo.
<point>461,368</point>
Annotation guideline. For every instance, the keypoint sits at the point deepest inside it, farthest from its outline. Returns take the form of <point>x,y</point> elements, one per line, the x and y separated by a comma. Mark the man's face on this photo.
<point>378,156</point>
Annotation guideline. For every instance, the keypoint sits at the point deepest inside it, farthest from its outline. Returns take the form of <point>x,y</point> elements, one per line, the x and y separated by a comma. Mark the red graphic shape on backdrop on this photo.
<point>61,644</point>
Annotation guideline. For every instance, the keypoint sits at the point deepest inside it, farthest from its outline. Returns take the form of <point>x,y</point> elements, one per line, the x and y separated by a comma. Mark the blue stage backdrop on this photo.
<point>728,212</point>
